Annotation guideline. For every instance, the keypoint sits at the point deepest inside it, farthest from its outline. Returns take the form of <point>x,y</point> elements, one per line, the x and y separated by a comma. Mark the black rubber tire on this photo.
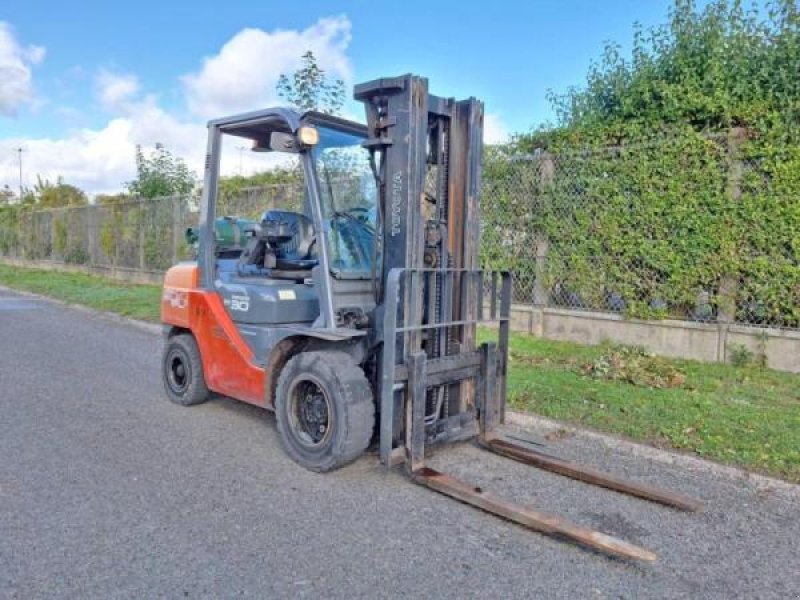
<point>190,389</point>
<point>351,406</point>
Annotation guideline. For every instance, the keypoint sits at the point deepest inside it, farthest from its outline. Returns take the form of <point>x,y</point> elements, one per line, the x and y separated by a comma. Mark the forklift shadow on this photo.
<point>368,464</point>
<point>239,408</point>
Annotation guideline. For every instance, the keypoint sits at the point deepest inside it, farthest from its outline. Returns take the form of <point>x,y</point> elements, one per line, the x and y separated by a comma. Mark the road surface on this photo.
<point>109,491</point>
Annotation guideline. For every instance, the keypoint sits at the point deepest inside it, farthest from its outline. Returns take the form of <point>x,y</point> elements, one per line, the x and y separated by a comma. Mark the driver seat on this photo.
<point>284,248</point>
<point>292,237</point>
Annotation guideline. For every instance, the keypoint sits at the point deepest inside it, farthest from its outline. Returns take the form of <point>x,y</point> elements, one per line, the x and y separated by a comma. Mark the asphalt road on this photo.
<point>109,491</point>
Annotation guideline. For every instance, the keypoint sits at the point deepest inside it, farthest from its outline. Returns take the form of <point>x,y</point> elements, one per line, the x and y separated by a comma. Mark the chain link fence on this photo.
<point>140,234</point>
<point>698,231</point>
<point>703,231</point>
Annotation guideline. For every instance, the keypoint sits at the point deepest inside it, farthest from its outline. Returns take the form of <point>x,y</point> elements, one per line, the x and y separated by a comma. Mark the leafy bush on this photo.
<point>9,224</point>
<point>712,69</point>
<point>160,173</point>
<point>740,355</point>
<point>634,365</point>
<point>59,236</point>
<point>108,239</point>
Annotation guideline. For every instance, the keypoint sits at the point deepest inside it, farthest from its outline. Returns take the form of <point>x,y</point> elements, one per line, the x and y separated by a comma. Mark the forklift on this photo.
<point>355,317</point>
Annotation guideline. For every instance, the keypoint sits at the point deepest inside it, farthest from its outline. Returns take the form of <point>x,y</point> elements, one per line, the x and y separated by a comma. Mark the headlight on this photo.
<point>308,136</point>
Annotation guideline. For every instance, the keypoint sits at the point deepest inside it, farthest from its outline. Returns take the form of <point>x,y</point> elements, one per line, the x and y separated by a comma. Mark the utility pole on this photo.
<point>19,155</point>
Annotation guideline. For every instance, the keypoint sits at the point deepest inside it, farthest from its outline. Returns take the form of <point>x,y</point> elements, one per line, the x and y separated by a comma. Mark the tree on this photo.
<point>160,174</point>
<point>233,185</point>
<point>712,68</point>
<point>58,194</point>
<point>6,195</point>
<point>309,88</point>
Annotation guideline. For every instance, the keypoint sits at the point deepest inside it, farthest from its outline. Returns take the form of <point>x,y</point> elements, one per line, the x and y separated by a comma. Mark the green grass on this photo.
<point>746,416</point>
<point>136,301</point>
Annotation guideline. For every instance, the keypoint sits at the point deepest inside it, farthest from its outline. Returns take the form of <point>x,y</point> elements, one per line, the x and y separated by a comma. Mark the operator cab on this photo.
<point>301,249</point>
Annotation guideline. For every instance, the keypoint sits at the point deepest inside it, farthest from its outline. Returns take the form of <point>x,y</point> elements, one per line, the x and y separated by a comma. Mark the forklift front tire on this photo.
<point>182,371</point>
<point>324,409</point>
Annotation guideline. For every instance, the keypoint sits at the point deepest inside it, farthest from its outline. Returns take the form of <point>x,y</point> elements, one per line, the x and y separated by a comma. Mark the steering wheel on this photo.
<point>361,212</point>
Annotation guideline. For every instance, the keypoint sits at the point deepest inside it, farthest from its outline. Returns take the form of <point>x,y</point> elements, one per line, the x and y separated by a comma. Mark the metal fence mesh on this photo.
<point>649,231</point>
<point>639,231</point>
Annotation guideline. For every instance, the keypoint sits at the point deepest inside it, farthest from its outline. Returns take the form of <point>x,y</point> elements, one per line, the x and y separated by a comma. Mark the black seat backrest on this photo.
<point>284,248</point>
<point>300,246</point>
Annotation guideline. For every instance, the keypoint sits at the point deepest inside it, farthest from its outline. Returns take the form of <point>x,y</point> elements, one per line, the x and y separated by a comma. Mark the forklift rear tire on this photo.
<point>182,371</point>
<point>324,408</point>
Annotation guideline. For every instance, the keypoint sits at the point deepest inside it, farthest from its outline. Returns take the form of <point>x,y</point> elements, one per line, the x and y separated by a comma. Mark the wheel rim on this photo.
<point>177,372</point>
<point>310,414</point>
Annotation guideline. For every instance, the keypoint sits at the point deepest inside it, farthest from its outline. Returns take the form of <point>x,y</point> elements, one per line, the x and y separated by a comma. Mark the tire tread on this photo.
<point>198,391</point>
<point>357,408</point>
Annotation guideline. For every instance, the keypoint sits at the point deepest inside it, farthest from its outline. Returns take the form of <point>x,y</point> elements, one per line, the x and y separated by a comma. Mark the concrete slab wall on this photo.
<point>782,348</point>
<point>709,342</point>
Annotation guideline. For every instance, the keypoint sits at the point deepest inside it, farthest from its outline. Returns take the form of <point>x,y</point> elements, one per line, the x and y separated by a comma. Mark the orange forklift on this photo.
<point>354,316</point>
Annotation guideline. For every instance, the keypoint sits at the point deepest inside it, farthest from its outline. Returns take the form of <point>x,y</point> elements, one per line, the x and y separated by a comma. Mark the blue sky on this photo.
<point>106,75</point>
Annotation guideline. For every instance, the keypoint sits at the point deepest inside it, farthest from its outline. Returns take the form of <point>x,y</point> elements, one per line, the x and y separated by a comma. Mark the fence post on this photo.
<point>118,226</point>
<point>541,296</point>
<point>142,225</point>
<point>51,232</point>
<point>18,239</point>
<point>729,282</point>
<point>91,234</point>
<point>177,221</point>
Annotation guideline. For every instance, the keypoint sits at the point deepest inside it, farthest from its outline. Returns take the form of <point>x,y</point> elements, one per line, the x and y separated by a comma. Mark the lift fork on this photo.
<point>524,515</point>
<point>484,373</point>
<point>503,447</point>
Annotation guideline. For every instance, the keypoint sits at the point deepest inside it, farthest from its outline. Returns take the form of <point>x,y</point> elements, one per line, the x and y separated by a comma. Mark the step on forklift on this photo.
<point>355,317</point>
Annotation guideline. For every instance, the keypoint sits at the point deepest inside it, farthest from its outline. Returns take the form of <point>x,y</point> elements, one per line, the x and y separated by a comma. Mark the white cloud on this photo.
<point>102,160</point>
<point>494,130</point>
<point>243,75</point>
<point>16,80</point>
<point>115,89</point>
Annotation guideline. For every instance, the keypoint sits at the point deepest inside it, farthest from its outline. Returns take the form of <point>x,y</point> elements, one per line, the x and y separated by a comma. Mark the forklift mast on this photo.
<point>431,155</point>
<point>427,155</point>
